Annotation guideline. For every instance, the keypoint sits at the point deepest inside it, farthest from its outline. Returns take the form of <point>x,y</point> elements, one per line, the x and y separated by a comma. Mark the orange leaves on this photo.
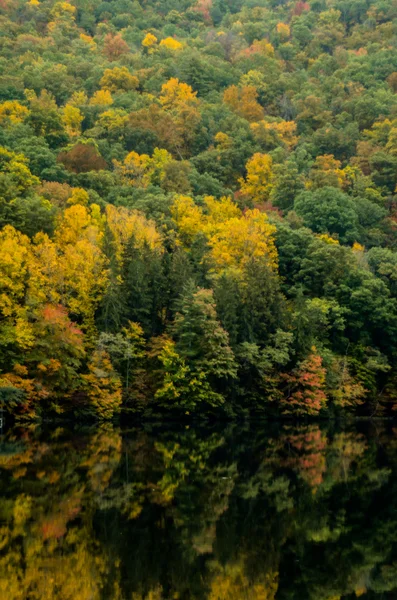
<point>114,47</point>
<point>243,101</point>
<point>306,387</point>
<point>283,31</point>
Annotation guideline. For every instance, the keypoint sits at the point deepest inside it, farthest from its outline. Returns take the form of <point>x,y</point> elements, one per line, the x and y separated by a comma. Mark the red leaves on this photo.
<point>56,319</point>
<point>306,387</point>
<point>300,7</point>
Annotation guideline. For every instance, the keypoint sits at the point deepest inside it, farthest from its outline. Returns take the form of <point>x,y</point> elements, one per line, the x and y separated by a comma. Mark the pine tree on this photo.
<point>200,338</point>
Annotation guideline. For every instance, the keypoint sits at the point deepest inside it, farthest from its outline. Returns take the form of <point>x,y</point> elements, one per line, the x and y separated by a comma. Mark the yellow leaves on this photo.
<point>141,170</point>
<point>87,39</point>
<point>103,386</point>
<point>284,132</point>
<point>82,263</point>
<point>175,94</point>
<point>114,118</point>
<point>237,241</point>
<point>234,238</point>
<point>101,98</point>
<point>125,224</point>
<point>16,166</point>
<point>15,255</point>
<point>283,31</point>
<point>62,10</point>
<point>149,40</point>
<point>79,196</point>
<point>324,237</point>
<point>12,113</point>
<point>171,44</point>
<point>118,78</point>
<point>78,99</point>
<point>188,217</point>
<point>258,181</point>
<point>326,171</point>
<point>221,210</point>
<point>243,101</point>
<point>231,582</point>
<point>72,119</point>
<point>223,140</point>
<point>22,510</point>
<point>262,47</point>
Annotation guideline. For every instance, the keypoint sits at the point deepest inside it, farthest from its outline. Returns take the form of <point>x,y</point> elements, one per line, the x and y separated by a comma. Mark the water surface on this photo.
<point>228,513</point>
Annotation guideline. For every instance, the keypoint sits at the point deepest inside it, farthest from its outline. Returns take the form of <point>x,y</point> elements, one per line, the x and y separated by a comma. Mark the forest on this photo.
<point>198,208</point>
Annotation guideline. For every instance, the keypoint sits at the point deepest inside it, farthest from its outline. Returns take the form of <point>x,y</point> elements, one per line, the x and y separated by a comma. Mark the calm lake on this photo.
<point>226,513</point>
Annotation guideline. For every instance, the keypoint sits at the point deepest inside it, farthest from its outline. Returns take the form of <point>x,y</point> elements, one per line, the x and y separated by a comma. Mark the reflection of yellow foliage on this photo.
<point>233,584</point>
<point>156,594</point>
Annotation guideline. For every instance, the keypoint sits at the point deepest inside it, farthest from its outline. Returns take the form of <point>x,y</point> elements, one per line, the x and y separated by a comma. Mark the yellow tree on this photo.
<point>258,181</point>
<point>149,41</point>
<point>82,262</point>
<point>171,44</point>
<point>118,78</point>
<point>176,94</point>
<point>72,119</point>
<point>238,241</point>
<point>101,98</point>
<point>15,256</point>
<point>141,170</point>
<point>188,217</point>
<point>12,113</point>
<point>125,223</point>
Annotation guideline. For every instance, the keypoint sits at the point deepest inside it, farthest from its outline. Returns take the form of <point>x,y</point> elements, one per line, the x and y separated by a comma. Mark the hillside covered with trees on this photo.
<point>198,209</point>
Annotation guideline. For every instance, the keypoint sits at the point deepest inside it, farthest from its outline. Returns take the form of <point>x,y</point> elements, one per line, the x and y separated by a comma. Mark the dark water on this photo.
<point>256,513</point>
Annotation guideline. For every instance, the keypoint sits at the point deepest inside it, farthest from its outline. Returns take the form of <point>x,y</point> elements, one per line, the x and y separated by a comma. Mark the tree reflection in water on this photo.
<point>284,512</point>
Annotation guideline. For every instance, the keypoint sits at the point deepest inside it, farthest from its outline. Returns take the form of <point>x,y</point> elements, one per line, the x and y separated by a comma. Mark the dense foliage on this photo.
<point>305,513</point>
<point>198,206</point>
